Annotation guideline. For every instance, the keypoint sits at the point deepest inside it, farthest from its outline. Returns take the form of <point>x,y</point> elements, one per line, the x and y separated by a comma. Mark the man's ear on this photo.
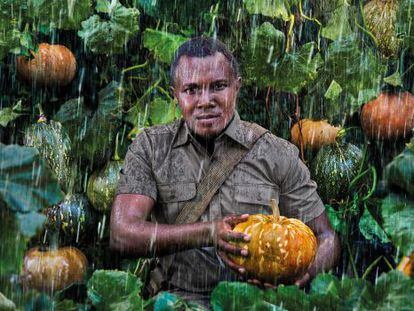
<point>238,83</point>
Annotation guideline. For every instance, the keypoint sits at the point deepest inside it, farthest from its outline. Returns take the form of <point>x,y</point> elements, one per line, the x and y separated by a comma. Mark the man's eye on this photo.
<point>220,86</point>
<point>191,90</point>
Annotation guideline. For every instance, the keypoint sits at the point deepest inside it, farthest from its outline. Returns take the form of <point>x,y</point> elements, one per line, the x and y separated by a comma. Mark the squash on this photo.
<point>333,169</point>
<point>389,116</point>
<point>380,20</point>
<point>72,217</point>
<point>54,145</point>
<point>102,184</point>
<point>52,64</point>
<point>53,269</point>
<point>281,249</point>
<point>406,265</point>
<point>314,134</point>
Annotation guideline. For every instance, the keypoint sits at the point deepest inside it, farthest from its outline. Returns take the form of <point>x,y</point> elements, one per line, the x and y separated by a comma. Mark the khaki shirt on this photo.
<point>166,163</point>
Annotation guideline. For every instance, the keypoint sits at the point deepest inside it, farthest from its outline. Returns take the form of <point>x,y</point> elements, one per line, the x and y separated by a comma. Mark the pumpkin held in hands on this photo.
<point>280,249</point>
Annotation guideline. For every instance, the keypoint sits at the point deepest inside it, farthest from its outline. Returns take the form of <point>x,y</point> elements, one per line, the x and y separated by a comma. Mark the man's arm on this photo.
<point>328,252</point>
<point>132,233</point>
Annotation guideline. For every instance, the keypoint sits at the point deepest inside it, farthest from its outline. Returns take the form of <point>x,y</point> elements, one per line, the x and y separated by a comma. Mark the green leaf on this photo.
<point>162,111</point>
<point>404,25</point>
<point>400,171</point>
<point>392,291</point>
<point>333,91</point>
<point>10,114</point>
<point>266,44</point>
<point>114,290</point>
<point>338,25</point>
<point>26,183</point>
<point>289,298</point>
<point>162,44</point>
<point>59,14</point>
<point>166,301</point>
<point>370,228</point>
<point>397,212</point>
<point>13,243</point>
<point>296,70</point>
<point>336,219</point>
<point>270,8</point>
<point>394,79</point>
<point>30,223</point>
<point>110,36</point>
<point>329,293</point>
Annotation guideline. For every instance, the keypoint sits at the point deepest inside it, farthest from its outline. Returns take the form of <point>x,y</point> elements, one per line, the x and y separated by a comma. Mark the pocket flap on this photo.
<point>255,194</point>
<point>176,192</point>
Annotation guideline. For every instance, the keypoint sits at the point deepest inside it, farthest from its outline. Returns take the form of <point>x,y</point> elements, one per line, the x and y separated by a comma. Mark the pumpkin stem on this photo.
<point>275,208</point>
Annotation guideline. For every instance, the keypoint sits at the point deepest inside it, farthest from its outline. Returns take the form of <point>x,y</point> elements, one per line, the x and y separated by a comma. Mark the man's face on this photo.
<point>206,90</point>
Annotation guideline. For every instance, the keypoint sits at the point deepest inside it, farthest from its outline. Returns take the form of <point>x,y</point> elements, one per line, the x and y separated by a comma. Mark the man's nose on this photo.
<point>205,98</point>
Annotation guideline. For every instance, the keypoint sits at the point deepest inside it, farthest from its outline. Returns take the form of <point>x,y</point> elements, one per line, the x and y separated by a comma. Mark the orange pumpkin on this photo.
<point>389,116</point>
<point>280,249</point>
<point>53,64</point>
<point>53,270</point>
<point>313,134</point>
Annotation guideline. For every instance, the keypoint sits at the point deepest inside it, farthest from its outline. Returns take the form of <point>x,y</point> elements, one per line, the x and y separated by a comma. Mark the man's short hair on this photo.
<point>202,47</point>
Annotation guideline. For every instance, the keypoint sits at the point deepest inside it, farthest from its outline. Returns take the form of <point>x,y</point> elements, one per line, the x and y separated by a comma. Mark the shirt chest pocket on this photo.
<point>254,198</point>
<point>172,197</point>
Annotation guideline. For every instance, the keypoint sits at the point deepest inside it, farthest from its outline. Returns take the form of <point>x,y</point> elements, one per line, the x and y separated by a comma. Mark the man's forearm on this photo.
<point>144,238</point>
<point>327,255</point>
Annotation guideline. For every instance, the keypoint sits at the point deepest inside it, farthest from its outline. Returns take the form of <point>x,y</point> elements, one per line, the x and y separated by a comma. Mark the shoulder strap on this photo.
<point>219,171</point>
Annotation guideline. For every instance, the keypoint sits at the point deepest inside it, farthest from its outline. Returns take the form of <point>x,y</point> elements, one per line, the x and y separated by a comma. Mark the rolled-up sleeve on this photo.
<point>299,197</point>
<point>136,176</point>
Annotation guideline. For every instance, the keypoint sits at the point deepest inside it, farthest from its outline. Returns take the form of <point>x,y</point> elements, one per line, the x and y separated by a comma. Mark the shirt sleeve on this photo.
<point>298,196</point>
<point>136,176</point>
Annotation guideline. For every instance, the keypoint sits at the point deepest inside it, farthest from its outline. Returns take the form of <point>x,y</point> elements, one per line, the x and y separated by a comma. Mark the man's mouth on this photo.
<point>206,117</point>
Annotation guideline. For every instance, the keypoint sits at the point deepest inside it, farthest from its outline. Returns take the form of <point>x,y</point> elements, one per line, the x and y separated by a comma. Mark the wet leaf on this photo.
<point>114,290</point>
<point>106,36</point>
<point>266,44</point>
<point>9,114</point>
<point>400,171</point>
<point>404,25</point>
<point>397,212</point>
<point>333,91</point>
<point>26,184</point>
<point>162,44</point>
<point>394,79</point>
<point>338,25</point>
<point>30,223</point>
<point>162,111</point>
<point>270,8</point>
<point>370,229</point>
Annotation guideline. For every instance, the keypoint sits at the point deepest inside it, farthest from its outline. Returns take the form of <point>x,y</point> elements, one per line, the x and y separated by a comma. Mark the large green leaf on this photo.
<point>162,44</point>
<point>392,291</point>
<point>266,44</point>
<point>397,212</point>
<point>162,111</point>
<point>338,25</point>
<point>370,229</point>
<point>270,8</point>
<point>9,114</point>
<point>106,36</point>
<point>404,24</point>
<point>115,290</point>
<point>400,171</point>
<point>26,184</point>
<point>60,14</point>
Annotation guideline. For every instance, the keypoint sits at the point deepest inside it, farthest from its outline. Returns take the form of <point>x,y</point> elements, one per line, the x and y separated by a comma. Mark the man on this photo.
<point>165,164</point>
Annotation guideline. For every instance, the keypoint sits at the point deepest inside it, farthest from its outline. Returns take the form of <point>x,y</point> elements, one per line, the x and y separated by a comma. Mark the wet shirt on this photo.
<point>167,163</point>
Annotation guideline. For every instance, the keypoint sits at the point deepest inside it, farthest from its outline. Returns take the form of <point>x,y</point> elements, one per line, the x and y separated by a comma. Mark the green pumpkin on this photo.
<point>54,145</point>
<point>102,186</point>
<point>71,218</point>
<point>333,169</point>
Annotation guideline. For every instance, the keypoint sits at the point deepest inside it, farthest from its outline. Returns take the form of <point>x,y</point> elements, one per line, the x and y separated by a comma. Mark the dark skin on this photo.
<point>206,90</point>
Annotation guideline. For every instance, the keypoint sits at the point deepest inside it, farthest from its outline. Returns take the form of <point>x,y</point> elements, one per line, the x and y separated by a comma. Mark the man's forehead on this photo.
<point>191,68</point>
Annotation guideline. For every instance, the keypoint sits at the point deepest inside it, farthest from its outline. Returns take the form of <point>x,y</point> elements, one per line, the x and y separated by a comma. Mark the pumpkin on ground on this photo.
<point>52,64</point>
<point>280,249</point>
<point>53,269</point>
<point>389,116</point>
<point>314,134</point>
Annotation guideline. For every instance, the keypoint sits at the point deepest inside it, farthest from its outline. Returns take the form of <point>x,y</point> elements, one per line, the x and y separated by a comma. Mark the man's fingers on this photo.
<point>230,263</point>
<point>234,236</point>
<point>303,280</point>
<point>232,249</point>
<point>234,220</point>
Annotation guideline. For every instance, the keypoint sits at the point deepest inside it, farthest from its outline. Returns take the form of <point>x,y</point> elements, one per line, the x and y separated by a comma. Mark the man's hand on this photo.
<point>222,236</point>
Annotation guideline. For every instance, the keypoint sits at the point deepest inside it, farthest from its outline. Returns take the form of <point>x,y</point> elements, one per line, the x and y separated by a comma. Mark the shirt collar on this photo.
<point>234,130</point>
